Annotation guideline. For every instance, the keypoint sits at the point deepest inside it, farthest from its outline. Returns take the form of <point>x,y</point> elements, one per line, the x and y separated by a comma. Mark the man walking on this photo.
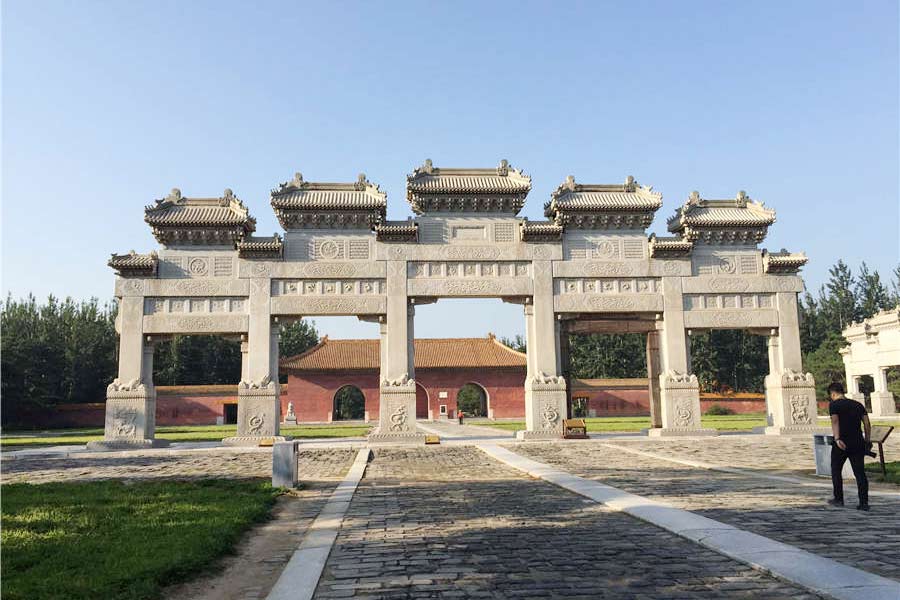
<point>847,416</point>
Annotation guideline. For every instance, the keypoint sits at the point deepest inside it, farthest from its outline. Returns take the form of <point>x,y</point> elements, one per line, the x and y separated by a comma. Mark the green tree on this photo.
<point>296,337</point>
<point>871,294</point>
<point>517,343</point>
<point>837,298</point>
<point>826,364</point>
<point>603,355</point>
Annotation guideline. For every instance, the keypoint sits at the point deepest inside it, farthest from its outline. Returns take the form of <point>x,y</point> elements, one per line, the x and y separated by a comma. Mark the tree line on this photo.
<point>64,351</point>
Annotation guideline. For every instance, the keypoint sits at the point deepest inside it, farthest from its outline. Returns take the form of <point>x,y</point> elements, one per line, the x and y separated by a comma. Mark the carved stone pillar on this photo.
<point>259,400</point>
<point>679,390</point>
<point>397,404</point>
<point>653,372</point>
<point>130,420</point>
<point>545,387</point>
<point>790,393</point>
<point>882,399</point>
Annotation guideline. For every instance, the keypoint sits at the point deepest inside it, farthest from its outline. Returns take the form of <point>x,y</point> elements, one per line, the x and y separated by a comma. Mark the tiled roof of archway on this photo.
<point>444,353</point>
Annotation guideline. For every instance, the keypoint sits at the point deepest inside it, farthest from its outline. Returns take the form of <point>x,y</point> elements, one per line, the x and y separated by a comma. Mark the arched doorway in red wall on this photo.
<point>349,404</point>
<point>472,399</point>
<point>421,402</point>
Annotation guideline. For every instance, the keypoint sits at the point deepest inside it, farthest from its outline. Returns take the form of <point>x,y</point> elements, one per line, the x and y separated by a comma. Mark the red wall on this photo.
<point>313,394</point>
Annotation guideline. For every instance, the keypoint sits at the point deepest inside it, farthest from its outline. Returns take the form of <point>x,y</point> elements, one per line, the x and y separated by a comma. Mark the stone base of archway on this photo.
<point>396,437</point>
<point>108,445</point>
<point>680,432</point>
<point>528,436</point>
<point>254,440</point>
<point>797,430</point>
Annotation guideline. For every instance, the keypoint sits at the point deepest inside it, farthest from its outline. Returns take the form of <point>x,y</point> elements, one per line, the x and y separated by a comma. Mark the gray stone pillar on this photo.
<point>678,387</point>
<point>130,420</point>
<point>790,393</point>
<point>397,403</point>
<point>882,399</point>
<point>545,387</point>
<point>653,372</point>
<point>259,401</point>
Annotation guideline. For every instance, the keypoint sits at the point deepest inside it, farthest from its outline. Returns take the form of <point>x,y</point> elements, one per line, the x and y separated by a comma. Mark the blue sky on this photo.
<point>108,105</point>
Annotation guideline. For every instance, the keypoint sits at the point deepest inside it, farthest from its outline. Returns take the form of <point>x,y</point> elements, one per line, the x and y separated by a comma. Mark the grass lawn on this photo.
<point>873,469</point>
<point>186,433</point>
<point>112,540</point>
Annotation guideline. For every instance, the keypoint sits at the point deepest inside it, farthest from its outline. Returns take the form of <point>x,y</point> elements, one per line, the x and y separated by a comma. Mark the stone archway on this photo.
<point>349,404</point>
<point>472,398</point>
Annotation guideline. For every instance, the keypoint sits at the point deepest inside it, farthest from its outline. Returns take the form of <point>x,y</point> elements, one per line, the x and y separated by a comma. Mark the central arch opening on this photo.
<point>472,399</point>
<point>349,404</point>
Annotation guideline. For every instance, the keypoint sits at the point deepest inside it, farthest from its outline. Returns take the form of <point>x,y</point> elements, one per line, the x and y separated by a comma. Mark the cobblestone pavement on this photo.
<point>773,453</point>
<point>172,464</point>
<point>783,511</point>
<point>262,555</point>
<point>449,522</point>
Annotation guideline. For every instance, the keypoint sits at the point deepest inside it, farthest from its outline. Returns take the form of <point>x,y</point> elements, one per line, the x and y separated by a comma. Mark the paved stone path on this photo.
<point>172,464</point>
<point>786,512</point>
<point>449,522</point>
<point>771,453</point>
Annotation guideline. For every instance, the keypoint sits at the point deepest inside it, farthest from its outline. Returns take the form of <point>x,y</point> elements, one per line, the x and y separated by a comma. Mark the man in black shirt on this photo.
<point>847,416</point>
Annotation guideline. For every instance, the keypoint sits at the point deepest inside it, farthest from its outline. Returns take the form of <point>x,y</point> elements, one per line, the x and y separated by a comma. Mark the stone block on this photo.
<point>284,464</point>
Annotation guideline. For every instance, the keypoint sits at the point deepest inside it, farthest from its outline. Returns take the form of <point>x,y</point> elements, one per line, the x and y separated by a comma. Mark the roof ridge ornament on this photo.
<point>174,196</point>
<point>428,167</point>
<point>361,183</point>
<point>741,199</point>
<point>503,168</point>
<point>570,183</point>
<point>630,184</point>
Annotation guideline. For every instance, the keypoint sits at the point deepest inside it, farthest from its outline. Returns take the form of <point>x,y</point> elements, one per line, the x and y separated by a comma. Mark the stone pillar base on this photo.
<point>791,403</point>
<point>883,404</point>
<point>254,440</point>
<point>793,430</point>
<point>536,436</point>
<point>397,414</point>
<point>108,445</point>
<point>545,408</point>
<point>259,408</point>
<point>681,432</point>
<point>130,421</point>
<point>395,437</point>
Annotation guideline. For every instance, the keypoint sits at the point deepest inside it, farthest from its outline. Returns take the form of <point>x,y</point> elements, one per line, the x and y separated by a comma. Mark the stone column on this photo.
<point>882,399</point>
<point>678,388</point>
<point>545,388</point>
<point>131,398</point>
<point>259,401</point>
<point>397,404</point>
<point>790,393</point>
<point>653,372</point>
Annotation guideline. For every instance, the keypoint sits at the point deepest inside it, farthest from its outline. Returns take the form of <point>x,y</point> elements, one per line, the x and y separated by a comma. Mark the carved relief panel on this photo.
<point>327,287</point>
<point>446,269</point>
<point>192,265</point>
<point>181,306</point>
<point>605,247</point>
<point>728,263</point>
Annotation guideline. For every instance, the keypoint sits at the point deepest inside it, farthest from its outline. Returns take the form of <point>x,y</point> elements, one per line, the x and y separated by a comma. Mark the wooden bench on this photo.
<point>574,429</point>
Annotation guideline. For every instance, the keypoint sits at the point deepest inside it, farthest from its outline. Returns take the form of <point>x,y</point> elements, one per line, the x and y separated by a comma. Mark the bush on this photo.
<point>717,410</point>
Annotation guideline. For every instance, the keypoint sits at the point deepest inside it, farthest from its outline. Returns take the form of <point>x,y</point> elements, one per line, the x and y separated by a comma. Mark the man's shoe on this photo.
<point>834,502</point>
<point>864,507</point>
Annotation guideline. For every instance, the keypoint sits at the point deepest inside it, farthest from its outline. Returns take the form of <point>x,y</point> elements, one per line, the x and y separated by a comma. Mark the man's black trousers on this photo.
<point>857,460</point>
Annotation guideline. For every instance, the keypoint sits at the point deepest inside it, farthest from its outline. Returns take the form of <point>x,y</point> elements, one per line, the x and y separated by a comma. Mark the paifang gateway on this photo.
<point>590,267</point>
